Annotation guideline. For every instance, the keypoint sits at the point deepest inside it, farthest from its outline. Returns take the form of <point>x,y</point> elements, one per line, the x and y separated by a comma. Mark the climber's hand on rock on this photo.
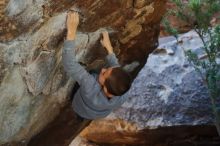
<point>105,41</point>
<point>72,24</point>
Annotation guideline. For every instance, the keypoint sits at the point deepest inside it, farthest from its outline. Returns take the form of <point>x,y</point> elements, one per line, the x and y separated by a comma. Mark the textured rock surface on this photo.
<point>80,141</point>
<point>34,85</point>
<point>167,92</point>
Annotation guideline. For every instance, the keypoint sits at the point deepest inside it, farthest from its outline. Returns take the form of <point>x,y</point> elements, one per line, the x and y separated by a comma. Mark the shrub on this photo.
<point>199,13</point>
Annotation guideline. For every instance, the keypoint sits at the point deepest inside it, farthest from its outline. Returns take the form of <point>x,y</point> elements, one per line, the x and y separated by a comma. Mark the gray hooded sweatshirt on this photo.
<point>89,101</point>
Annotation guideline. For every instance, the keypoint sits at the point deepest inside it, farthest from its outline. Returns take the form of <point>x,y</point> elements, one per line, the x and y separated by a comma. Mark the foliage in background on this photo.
<point>199,13</point>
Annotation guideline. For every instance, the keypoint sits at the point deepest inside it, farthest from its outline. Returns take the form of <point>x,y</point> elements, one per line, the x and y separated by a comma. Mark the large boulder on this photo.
<point>33,84</point>
<point>168,101</point>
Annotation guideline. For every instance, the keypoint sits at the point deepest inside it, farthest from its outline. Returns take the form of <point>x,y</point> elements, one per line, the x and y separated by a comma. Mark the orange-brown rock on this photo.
<point>34,85</point>
<point>106,134</point>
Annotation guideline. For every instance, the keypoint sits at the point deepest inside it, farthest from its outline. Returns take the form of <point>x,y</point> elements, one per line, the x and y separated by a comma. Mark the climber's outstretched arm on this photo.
<point>106,43</point>
<point>71,66</point>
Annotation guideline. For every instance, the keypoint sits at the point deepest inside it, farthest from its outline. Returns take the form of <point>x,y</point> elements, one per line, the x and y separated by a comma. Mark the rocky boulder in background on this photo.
<point>33,84</point>
<point>168,102</point>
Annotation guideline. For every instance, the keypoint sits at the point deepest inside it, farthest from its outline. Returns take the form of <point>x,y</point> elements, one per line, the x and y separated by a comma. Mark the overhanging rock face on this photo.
<point>34,85</point>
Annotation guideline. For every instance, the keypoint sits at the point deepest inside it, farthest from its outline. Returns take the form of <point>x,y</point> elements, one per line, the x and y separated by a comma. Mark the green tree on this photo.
<point>199,13</point>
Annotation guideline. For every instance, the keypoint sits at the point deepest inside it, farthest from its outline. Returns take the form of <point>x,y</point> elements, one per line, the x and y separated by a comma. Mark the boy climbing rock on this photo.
<point>98,94</point>
<point>96,97</point>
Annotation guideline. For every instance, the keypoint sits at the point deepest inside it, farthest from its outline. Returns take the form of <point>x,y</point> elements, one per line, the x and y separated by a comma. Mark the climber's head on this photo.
<point>114,81</point>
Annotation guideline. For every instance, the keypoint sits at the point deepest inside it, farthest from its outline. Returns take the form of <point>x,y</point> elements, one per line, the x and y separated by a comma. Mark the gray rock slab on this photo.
<point>168,91</point>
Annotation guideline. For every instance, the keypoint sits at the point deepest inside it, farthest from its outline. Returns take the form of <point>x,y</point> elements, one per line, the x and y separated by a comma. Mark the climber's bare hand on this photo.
<point>72,24</point>
<point>105,41</point>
